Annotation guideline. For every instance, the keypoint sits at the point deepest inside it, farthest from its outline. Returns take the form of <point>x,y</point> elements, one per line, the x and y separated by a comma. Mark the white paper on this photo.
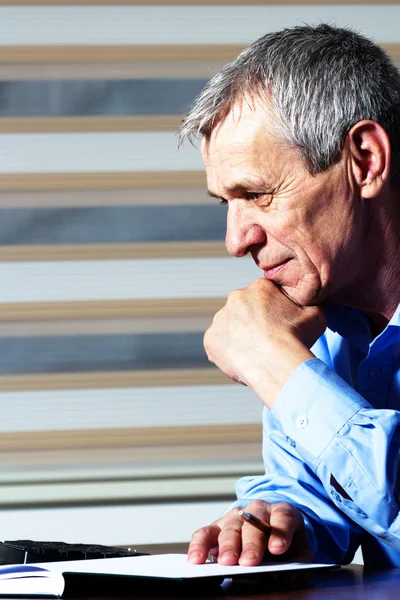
<point>169,566</point>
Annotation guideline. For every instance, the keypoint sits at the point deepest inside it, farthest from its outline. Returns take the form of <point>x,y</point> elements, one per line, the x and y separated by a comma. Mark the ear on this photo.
<point>370,153</point>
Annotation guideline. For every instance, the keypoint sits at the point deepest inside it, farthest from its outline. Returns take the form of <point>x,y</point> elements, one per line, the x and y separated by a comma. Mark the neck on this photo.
<point>377,324</point>
<point>376,288</point>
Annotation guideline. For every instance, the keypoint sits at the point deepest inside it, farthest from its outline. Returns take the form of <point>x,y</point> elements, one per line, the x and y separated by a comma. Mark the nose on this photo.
<point>242,229</point>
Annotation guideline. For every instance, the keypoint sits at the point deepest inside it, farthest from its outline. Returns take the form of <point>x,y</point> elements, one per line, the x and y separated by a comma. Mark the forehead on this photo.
<point>244,147</point>
<point>241,127</point>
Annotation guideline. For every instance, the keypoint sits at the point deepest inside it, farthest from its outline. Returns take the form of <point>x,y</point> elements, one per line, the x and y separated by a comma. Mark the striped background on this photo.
<point>112,261</point>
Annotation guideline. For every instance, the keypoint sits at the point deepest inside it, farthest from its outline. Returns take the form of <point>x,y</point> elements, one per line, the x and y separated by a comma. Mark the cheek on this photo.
<point>307,246</point>
<point>292,230</point>
<point>313,230</point>
<point>310,226</point>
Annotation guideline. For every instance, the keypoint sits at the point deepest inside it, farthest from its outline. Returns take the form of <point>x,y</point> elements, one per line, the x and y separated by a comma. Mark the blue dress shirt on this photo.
<point>331,444</point>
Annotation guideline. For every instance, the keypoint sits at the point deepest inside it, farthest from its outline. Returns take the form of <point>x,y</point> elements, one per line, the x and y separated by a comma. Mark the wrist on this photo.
<point>270,377</point>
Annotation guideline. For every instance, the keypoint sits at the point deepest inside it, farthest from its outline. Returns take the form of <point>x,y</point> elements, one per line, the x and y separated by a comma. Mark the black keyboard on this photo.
<point>28,551</point>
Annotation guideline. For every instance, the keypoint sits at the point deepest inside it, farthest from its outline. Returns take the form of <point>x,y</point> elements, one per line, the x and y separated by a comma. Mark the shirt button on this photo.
<point>301,422</point>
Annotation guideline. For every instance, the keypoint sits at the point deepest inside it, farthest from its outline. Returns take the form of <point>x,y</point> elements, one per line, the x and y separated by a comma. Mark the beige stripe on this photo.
<point>82,124</point>
<point>151,457</point>
<point>109,309</point>
<point>185,2</point>
<point>134,197</point>
<point>175,69</point>
<point>126,53</point>
<point>392,49</point>
<point>73,53</point>
<point>145,250</point>
<point>156,324</point>
<point>108,491</point>
<point>149,436</point>
<point>114,379</point>
<point>96,181</point>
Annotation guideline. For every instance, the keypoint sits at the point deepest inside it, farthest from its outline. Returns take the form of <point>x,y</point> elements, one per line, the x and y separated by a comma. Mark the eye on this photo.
<point>254,196</point>
<point>223,202</point>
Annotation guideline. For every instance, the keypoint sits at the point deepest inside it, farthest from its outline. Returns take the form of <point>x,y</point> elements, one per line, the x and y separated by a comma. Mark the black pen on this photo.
<point>256,522</point>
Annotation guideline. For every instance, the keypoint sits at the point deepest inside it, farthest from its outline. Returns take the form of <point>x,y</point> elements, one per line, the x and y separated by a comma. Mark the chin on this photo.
<point>303,297</point>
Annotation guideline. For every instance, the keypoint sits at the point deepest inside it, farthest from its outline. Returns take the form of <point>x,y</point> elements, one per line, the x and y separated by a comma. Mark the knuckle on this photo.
<point>216,317</point>
<point>259,282</point>
<point>234,296</point>
<point>285,506</point>
<point>231,529</point>
<point>259,506</point>
<point>207,345</point>
<point>287,515</point>
<point>232,514</point>
<point>251,546</point>
<point>200,534</point>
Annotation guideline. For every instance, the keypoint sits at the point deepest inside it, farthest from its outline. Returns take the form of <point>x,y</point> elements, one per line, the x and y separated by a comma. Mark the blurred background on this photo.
<point>113,426</point>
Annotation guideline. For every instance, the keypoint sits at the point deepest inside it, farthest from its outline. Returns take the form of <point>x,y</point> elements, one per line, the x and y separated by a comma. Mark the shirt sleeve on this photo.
<point>351,448</point>
<point>332,536</point>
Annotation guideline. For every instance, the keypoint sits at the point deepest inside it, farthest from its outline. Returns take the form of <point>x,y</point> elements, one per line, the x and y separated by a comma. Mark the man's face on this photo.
<point>300,229</point>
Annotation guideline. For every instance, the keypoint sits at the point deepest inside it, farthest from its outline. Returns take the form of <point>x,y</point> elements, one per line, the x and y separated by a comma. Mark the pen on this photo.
<point>256,522</point>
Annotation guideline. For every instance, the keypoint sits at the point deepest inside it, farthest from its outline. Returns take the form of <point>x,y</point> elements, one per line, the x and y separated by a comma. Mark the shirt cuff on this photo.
<point>314,405</point>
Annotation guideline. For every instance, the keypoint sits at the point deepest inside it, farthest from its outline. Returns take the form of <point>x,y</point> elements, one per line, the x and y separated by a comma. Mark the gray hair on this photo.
<point>320,80</point>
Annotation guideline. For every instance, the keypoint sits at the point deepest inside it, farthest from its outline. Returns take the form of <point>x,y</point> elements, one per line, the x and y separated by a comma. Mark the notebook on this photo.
<point>58,578</point>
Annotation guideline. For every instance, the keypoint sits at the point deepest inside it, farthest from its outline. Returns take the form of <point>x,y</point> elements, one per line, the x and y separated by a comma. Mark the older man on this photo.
<point>301,141</point>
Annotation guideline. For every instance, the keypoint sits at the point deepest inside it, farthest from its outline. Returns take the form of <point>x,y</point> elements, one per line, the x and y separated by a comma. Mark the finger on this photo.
<point>230,539</point>
<point>214,552</point>
<point>254,544</point>
<point>285,520</point>
<point>202,541</point>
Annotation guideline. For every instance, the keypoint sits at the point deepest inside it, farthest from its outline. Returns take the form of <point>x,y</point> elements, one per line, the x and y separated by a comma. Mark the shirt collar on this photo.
<point>395,320</point>
<point>352,324</point>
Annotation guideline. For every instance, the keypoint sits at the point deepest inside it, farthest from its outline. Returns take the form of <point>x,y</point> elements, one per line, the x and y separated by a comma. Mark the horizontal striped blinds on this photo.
<point>112,258</point>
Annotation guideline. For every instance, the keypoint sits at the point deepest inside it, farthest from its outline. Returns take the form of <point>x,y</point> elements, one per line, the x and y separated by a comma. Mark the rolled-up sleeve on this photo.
<point>353,448</point>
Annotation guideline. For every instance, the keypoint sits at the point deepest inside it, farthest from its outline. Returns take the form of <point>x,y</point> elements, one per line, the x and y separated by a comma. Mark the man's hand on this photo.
<point>233,541</point>
<point>261,336</point>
